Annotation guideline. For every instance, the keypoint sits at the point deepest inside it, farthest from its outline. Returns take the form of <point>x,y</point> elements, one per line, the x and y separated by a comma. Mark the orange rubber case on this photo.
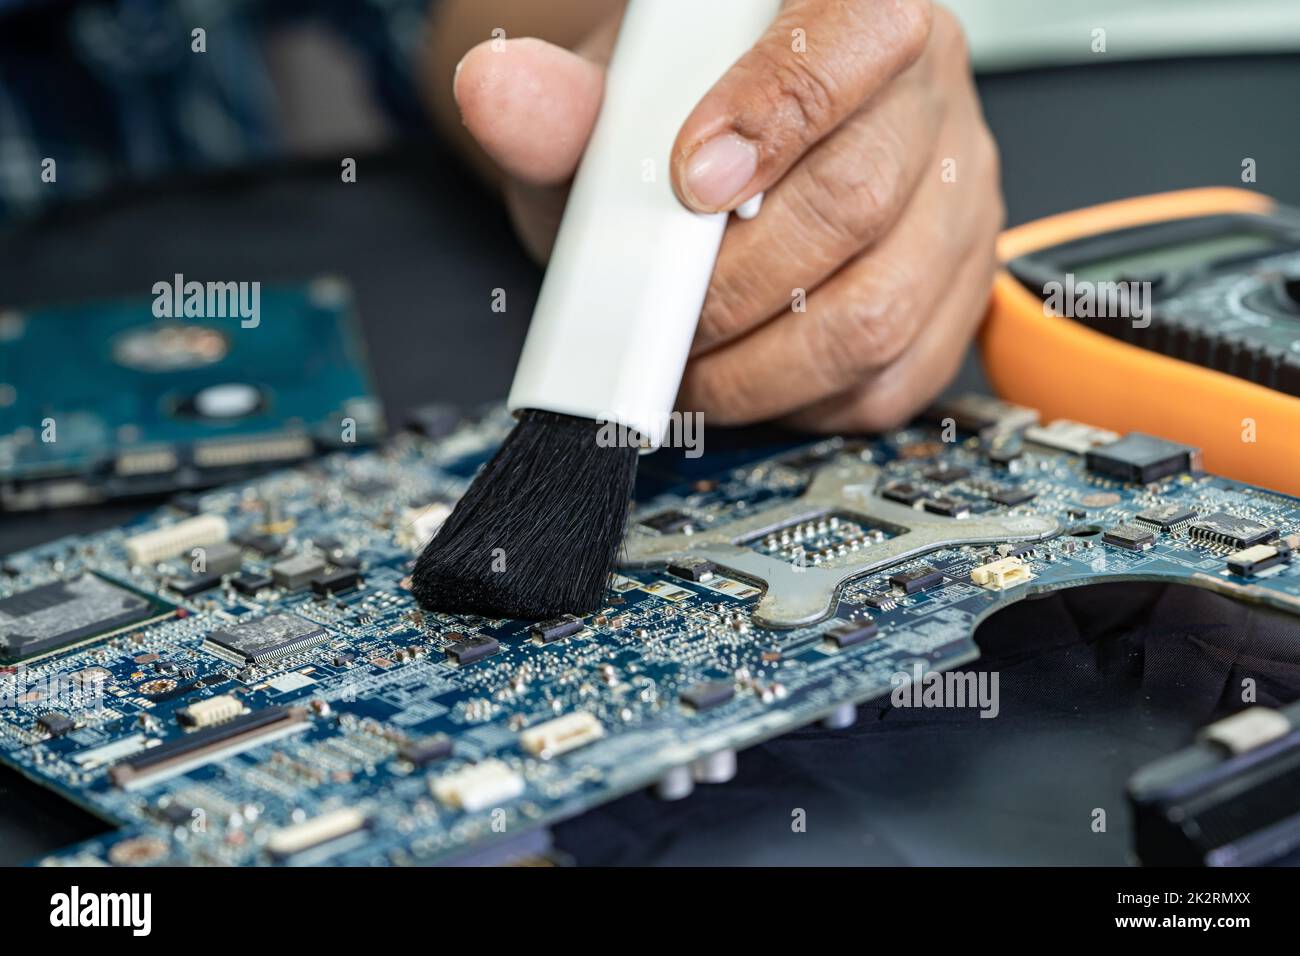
<point>1066,370</point>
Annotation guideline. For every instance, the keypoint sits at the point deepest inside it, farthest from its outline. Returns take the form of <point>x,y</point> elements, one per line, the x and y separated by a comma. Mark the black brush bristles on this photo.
<point>539,530</point>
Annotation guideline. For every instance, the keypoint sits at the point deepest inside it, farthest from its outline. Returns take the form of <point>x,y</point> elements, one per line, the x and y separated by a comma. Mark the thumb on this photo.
<point>530,105</point>
<point>779,99</point>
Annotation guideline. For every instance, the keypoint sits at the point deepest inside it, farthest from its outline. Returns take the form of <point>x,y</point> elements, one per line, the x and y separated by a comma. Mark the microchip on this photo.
<point>250,583</point>
<point>56,724</point>
<point>187,502</point>
<point>51,616</point>
<point>708,694</point>
<point>1016,550</point>
<point>669,522</point>
<point>1142,459</point>
<point>222,558</point>
<point>336,582</point>
<point>265,639</point>
<point>192,584</point>
<point>1130,537</point>
<point>296,572</point>
<point>696,569</point>
<point>554,630</point>
<point>948,507</point>
<point>946,474</point>
<point>177,814</point>
<point>426,750</point>
<point>903,492</point>
<point>473,648</point>
<point>1165,517</point>
<point>848,633</point>
<point>264,544</point>
<point>1231,531</point>
<point>917,579</point>
<point>880,600</point>
<point>1010,497</point>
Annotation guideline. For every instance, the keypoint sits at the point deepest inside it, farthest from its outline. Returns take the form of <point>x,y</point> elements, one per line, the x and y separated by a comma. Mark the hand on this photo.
<point>881,211</point>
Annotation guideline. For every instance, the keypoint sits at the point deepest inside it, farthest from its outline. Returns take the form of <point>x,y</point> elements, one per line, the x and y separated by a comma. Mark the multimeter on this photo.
<point>1176,314</point>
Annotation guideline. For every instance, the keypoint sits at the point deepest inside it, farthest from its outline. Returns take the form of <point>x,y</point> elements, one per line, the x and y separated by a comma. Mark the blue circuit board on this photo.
<point>102,400</point>
<point>298,707</point>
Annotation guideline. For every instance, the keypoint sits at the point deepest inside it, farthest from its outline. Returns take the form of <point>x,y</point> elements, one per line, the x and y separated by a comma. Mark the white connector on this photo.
<point>562,734</point>
<point>201,531</point>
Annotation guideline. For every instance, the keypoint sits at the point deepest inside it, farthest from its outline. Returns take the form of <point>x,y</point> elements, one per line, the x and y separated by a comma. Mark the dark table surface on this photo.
<point>1093,682</point>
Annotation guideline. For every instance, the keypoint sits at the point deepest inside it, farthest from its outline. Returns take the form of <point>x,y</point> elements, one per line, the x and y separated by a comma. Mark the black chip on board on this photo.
<point>473,648</point>
<point>250,583</point>
<point>669,522</point>
<point>948,507</point>
<point>426,750</point>
<point>903,492</point>
<point>693,570</point>
<point>192,584</point>
<point>848,633</point>
<point>946,474</point>
<point>1142,459</point>
<point>1016,550</point>
<point>56,724</point>
<point>54,615</point>
<point>554,630</point>
<point>1128,536</point>
<point>264,544</point>
<point>1165,517</point>
<point>296,572</point>
<point>916,579</point>
<point>177,814</point>
<point>1231,531</point>
<point>336,582</point>
<point>186,502</point>
<point>265,638</point>
<point>1010,497</point>
<point>708,694</point>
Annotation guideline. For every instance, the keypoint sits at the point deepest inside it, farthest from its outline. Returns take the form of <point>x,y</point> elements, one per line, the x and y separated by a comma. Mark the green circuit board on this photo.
<point>244,679</point>
<point>146,405</point>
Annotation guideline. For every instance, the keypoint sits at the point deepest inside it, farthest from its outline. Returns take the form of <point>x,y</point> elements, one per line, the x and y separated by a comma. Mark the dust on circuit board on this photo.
<point>245,680</point>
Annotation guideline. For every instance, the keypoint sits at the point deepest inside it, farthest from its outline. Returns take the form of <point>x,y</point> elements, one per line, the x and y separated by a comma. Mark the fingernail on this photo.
<point>719,170</point>
<point>455,80</point>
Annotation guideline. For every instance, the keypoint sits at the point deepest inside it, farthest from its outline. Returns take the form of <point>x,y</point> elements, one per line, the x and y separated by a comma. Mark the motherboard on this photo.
<point>243,678</point>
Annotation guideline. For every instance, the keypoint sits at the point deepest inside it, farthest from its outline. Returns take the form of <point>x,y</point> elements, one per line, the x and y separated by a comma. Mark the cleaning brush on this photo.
<point>539,530</point>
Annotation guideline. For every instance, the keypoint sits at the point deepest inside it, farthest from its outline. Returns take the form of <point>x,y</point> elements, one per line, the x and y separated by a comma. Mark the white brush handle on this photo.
<point>631,265</point>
